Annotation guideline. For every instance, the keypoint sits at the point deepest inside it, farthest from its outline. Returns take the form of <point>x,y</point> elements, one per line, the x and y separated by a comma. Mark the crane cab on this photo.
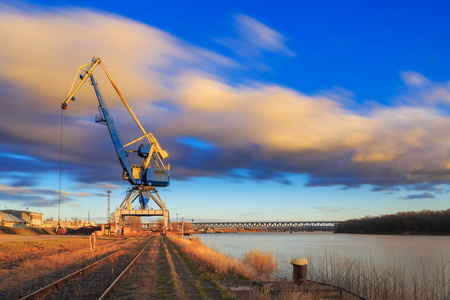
<point>158,177</point>
<point>153,176</point>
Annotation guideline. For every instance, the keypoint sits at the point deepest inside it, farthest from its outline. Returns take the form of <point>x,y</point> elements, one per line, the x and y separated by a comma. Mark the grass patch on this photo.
<point>255,265</point>
<point>12,251</point>
<point>210,259</point>
<point>263,263</point>
<point>205,282</point>
<point>164,281</point>
<point>25,230</point>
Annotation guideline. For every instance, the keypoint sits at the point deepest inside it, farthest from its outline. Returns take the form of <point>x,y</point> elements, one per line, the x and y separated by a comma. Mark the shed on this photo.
<point>10,220</point>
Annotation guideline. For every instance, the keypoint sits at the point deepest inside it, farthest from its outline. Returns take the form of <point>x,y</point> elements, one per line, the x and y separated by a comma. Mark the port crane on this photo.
<point>143,177</point>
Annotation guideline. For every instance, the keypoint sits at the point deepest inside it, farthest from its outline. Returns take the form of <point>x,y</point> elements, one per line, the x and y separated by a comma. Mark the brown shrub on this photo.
<point>263,263</point>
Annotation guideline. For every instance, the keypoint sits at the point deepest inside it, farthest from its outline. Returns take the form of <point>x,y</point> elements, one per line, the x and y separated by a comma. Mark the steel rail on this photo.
<point>109,289</point>
<point>76,273</point>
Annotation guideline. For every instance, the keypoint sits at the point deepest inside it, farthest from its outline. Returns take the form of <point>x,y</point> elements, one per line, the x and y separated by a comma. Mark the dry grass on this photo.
<point>211,259</point>
<point>25,230</point>
<point>263,263</point>
<point>256,265</point>
<point>38,267</point>
<point>12,251</point>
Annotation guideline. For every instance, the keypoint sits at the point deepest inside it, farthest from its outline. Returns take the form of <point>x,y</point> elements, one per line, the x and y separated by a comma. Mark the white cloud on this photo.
<point>261,35</point>
<point>253,40</point>
<point>414,79</point>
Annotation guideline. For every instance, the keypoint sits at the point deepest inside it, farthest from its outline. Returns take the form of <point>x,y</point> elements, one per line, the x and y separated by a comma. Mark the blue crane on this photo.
<point>144,177</point>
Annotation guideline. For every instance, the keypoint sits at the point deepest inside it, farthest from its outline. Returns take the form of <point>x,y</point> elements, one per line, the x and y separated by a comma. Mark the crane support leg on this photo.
<point>144,194</point>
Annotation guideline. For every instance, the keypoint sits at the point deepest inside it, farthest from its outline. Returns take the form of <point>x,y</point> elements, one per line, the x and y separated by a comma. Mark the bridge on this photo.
<point>286,225</point>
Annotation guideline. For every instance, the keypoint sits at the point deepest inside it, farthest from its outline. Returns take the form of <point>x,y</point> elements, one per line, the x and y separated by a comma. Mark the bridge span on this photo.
<point>287,225</point>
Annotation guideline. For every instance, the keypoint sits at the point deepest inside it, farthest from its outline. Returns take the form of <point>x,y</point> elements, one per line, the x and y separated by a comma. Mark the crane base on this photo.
<point>120,215</point>
<point>141,193</point>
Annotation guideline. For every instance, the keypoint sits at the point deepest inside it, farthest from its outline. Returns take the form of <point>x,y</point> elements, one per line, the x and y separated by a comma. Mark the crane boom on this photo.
<point>106,118</point>
<point>143,177</point>
<point>152,171</point>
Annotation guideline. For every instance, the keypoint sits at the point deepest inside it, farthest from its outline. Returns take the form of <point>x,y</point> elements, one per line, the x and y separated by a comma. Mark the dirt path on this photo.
<point>165,273</point>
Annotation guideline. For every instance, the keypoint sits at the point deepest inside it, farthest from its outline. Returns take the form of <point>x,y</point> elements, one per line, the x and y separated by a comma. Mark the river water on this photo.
<point>409,251</point>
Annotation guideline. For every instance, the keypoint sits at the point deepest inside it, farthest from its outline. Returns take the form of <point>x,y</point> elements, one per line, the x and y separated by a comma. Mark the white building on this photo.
<point>20,218</point>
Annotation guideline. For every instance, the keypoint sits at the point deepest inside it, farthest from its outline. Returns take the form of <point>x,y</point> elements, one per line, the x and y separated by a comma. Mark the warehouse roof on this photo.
<point>12,218</point>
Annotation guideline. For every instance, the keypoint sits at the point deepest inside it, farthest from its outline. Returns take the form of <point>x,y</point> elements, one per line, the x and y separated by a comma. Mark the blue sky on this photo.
<point>296,111</point>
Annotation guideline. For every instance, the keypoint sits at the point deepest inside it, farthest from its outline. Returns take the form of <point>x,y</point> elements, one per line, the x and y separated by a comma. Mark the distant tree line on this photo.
<point>423,222</point>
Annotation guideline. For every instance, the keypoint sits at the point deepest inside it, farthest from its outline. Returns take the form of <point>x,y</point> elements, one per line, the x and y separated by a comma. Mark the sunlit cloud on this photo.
<point>211,126</point>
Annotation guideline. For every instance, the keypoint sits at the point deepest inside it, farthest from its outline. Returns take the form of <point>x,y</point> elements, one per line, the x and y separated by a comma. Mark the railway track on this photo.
<point>8,263</point>
<point>96,280</point>
<point>149,267</point>
<point>164,272</point>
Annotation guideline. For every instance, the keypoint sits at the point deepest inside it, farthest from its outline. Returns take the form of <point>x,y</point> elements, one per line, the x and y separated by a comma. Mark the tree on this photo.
<point>175,226</point>
<point>160,224</point>
<point>134,222</point>
<point>75,220</point>
<point>187,226</point>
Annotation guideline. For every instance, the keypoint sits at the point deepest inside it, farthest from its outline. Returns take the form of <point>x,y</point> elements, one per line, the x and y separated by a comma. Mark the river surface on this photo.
<point>418,251</point>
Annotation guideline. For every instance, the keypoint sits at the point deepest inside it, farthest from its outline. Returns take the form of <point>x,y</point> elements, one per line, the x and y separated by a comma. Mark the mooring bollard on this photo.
<point>299,274</point>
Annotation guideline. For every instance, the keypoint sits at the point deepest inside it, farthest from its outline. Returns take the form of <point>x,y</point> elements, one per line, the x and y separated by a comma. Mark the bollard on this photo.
<point>299,274</point>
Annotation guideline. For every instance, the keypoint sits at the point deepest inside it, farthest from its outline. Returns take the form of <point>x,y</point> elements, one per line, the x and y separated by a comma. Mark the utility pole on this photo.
<point>182,227</point>
<point>108,217</point>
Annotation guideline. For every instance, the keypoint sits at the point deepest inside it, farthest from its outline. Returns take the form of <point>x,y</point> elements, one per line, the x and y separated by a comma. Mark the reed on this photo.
<point>263,263</point>
<point>255,264</point>
<point>362,275</point>
<point>211,259</point>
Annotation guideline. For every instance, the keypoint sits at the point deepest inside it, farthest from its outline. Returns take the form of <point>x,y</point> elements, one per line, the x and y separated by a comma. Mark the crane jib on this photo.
<point>152,171</point>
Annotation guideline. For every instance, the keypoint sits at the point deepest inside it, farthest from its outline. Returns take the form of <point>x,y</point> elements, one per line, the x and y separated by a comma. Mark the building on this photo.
<point>21,218</point>
<point>74,224</point>
<point>9,220</point>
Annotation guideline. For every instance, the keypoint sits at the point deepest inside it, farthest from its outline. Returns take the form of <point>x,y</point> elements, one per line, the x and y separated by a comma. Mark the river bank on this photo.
<point>412,222</point>
<point>166,270</point>
<point>416,267</point>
